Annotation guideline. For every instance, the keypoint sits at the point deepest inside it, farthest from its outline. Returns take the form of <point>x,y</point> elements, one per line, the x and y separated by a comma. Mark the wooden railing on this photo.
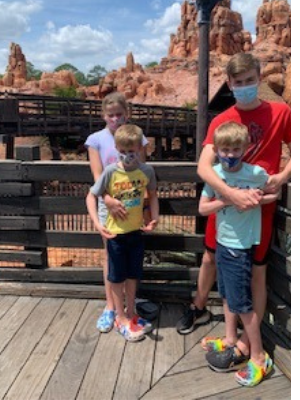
<point>74,120</point>
<point>24,208</point>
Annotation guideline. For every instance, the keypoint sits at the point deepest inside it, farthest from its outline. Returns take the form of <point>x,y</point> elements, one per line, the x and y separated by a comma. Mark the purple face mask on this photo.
<point>113,123</point>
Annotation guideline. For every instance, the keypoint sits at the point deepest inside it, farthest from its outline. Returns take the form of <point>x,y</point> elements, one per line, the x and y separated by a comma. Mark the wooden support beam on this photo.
<point>92,240</point>
<point>28,152</point>
<point>84,275</point>
<point>23,256</point>
<point>20,223</point>
<point>16,189</point>
<point>50,205</point>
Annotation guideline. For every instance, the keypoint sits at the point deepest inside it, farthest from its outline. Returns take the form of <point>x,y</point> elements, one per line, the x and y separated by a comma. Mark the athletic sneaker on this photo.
<point>192,317</point>
<point>228,360</point>
<point>213,343</point>
<point>130,332</point>
<point>252,374</point>
<point>143,323</point>
<point>106,320</point>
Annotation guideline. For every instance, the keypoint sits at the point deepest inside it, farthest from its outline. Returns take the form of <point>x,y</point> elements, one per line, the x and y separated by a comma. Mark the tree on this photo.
<point>95,74</point>
<point>151,64</point>
<point>32,72</point>
<point>66,92</point>
<point>66,67</point>
<point>80,78</point>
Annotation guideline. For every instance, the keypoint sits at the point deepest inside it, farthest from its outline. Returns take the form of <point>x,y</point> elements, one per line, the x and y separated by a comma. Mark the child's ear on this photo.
<point>229,84</point>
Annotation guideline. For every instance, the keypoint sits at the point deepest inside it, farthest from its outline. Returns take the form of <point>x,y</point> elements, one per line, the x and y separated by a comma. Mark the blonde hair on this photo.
<point>241,63</point>
<point>231,134</point>
<point>128,135</point>
<point>112,99</point>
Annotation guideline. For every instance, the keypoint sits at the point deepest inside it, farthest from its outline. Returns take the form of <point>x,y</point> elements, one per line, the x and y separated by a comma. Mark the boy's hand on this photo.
<point>106,233</point>
<point>147,215</point>
<point>245,199</point>
<point>150,226</point>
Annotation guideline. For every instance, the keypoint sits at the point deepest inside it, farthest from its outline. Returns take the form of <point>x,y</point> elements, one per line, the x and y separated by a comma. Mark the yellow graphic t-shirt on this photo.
<point>129,187</point>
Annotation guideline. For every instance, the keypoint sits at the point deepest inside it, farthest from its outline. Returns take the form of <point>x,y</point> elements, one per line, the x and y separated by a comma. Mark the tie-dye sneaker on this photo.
<point>252,374</point>
<point>143,323</point>
<point>106,320</point>
<point>130,332</point>
<point>213,343</point>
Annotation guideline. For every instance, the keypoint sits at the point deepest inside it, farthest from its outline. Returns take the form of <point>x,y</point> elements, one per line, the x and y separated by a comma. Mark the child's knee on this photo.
<point>208,260</point>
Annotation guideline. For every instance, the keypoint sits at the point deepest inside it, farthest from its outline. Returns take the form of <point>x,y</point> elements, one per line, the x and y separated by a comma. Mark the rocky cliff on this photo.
<point>174,81</point>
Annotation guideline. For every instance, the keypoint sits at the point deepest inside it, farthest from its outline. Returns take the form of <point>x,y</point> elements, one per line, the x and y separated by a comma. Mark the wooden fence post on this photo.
<point>32,153</point>
<point>9,110</point>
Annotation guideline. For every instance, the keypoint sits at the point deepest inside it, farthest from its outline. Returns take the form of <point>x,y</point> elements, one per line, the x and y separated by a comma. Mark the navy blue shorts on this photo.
<point>234,274</point>
<point>125,257</point>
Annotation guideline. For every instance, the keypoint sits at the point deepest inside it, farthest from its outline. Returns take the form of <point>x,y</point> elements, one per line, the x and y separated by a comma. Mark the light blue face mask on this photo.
<point>245,94</point>
<point>229,162</point>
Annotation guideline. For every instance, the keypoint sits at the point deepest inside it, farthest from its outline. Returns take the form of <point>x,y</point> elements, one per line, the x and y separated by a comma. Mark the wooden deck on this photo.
<point>51,350</point>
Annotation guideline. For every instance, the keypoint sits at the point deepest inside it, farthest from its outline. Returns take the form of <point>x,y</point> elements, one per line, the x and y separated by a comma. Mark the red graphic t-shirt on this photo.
<point>269,125</point>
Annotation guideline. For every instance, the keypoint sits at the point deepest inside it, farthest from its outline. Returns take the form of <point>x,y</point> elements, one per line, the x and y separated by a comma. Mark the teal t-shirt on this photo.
<point>238,229</point>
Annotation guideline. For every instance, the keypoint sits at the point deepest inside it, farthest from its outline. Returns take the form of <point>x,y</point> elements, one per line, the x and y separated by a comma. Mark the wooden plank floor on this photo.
<point>51,350</point>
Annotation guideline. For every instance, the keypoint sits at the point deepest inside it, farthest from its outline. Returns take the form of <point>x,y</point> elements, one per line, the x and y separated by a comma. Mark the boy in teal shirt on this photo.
<point>237,234</point>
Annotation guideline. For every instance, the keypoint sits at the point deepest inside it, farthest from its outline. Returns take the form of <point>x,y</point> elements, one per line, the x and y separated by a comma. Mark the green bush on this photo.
<point>190,105</point>
<point>66,92</point>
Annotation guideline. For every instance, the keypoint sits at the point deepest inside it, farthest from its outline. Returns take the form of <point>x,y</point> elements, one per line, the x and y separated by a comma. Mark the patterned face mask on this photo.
<point>229,162</point>
<point>129,159</point>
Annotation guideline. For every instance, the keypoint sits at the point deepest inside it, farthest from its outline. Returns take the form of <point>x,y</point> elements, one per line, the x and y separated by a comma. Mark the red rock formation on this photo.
<point>273,22</point>
<point>130,62</point>
<point>16,70</point>
<point>174,81</point>
<point>131,80</point>
<point>51,80</point>
<point>227,35</point>
<point>273,42</point>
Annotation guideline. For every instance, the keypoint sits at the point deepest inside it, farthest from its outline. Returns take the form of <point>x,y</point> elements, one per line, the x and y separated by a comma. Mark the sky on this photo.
<point>86,33</point>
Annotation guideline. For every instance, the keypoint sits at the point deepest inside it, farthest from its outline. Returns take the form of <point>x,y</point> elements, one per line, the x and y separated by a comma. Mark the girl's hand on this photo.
<point>116,208</point>
<point>106,233</point>
<point>150,226</point>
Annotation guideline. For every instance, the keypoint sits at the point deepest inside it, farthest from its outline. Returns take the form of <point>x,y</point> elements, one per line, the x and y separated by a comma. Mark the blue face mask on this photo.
<point>245,94</point>
<point>229,162</point>
<point>130,159</point>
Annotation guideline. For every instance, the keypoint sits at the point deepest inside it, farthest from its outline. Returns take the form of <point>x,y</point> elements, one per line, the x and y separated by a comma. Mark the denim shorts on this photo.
<point>234,274</point>
<point>125,257</point>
